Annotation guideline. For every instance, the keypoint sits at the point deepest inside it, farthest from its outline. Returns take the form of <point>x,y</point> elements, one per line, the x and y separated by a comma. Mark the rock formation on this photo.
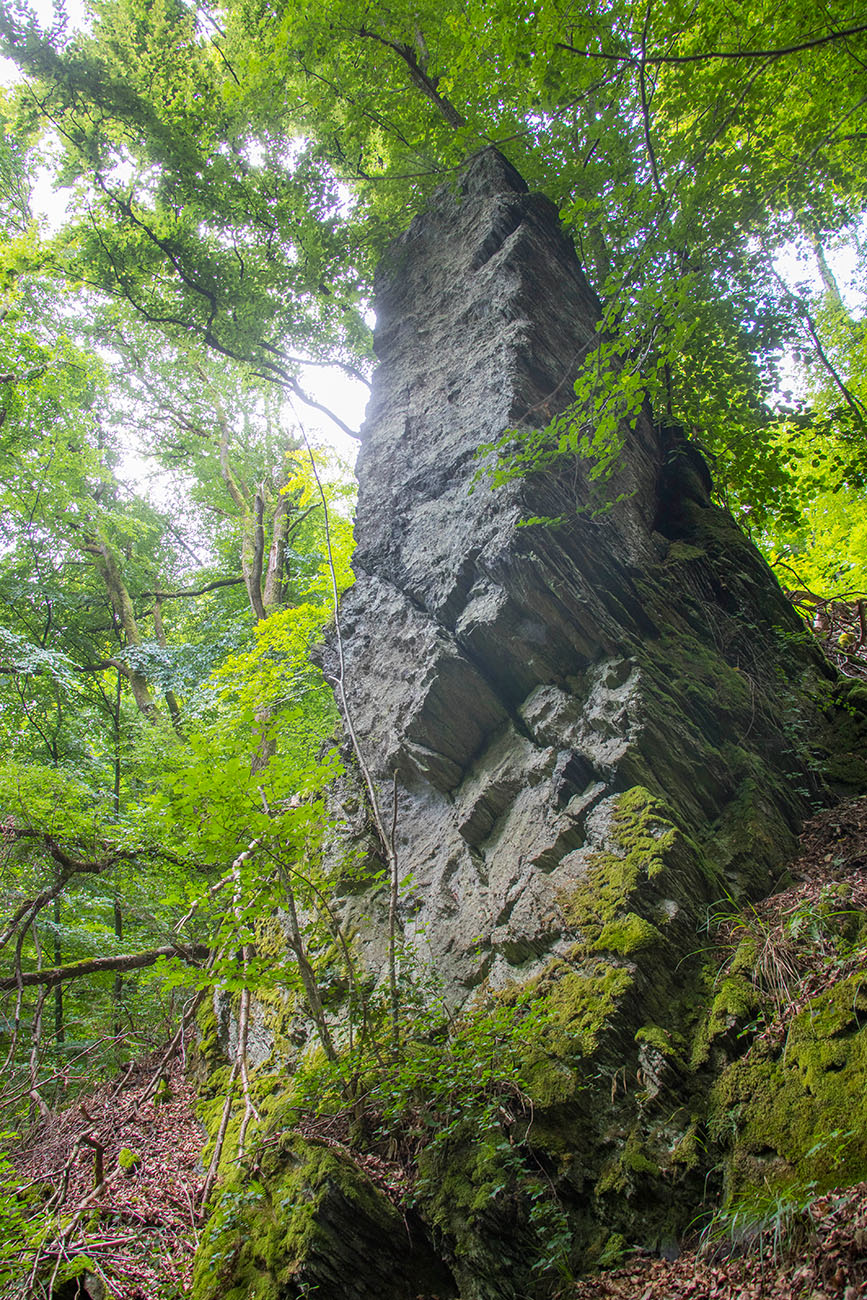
<point>519,679</point>
<point>594,729</point>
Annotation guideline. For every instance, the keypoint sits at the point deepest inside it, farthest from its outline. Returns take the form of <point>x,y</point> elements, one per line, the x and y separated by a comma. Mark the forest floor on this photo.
<point>139,1231</point>
<point>825,1258</point>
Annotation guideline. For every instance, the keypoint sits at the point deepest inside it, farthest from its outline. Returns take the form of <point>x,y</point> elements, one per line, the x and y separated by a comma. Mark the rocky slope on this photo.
<point>582,736</point>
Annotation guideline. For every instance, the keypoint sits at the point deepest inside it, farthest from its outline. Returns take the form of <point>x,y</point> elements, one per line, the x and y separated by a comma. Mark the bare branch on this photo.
<point>777,53</point>
<point>645,99</point>
<point>96,965</point>
<point>185,593</point>
<point>419,76</point>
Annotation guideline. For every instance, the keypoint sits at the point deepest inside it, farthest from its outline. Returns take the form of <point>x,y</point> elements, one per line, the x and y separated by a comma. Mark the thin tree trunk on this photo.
<point>273,590</point>
<point>829,280</point>
<point>59,1030</point>
<point>170,698</point>
<point>106,563</point>
<point>118,977</point>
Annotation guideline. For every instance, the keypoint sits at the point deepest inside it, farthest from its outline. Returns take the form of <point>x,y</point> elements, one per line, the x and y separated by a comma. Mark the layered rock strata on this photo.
<point>582,734</point>
<point>519,679</point>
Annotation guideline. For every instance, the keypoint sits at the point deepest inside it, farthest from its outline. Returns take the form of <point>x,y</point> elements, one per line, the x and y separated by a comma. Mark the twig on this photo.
<point>392,923</point>
<point>732,55</point>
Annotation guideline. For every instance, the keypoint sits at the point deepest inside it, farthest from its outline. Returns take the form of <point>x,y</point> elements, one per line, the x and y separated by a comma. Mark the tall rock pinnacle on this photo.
<point>581,735</point>
<point>519,679</point>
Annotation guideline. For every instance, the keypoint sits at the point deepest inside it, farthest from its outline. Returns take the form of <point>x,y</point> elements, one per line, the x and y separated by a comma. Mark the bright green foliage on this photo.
<point>140,687</point>
<point>18,1229</point>
<point>824,548</point>
<point>272,149</point>
<point>217,234</point>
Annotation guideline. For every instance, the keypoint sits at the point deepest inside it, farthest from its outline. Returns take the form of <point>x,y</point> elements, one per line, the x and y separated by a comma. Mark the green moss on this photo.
<point>628,934</point>
<point>206,1055</point>
<point>682,553</point>
<point>629,1162</point>
<point>701,674</point>
<point>745,956</point>
<point>689,1151</point>
<point>735,1002</point>
<point>264,1231</point>
<point>845,761</point>
<point>852,696</point>
<point>754,840</point>
<point>128,1160</point>
<point>799,1113</point>
<point>605,897</point>
<point>612,1252</point>
<point>658,1038</point>
<point>571,1009</point>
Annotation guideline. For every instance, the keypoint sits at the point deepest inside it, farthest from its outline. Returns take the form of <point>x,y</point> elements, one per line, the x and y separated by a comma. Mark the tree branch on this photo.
<point>426,84</point>
<point>69,867</point>
<point>645,101</point>
<point>185,592</point>
<point>778,53</point>
<point>95,965</point>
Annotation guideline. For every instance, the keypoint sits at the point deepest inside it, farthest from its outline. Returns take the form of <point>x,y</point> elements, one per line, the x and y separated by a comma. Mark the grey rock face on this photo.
<point>518,679</point>
<point>594,730</point>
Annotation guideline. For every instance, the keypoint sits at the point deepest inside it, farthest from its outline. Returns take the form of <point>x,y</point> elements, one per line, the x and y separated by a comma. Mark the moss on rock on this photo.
<point>644,835</point>
<point>307,1217</point>
<point>733,1004</point>
<point>797,1112</point>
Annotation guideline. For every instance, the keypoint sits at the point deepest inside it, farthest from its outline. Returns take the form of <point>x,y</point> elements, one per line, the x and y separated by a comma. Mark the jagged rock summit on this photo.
<point>587,734</point>
<point>519,680</point>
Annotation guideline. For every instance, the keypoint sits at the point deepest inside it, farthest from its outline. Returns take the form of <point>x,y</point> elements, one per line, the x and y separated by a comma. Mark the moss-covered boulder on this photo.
<point>793,1112</point>
<point>303,1219</point>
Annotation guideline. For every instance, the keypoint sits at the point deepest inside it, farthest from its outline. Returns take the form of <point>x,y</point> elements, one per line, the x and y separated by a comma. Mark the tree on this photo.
<point>117,612</point>
<point>681,158</point>
<point>233,175</point>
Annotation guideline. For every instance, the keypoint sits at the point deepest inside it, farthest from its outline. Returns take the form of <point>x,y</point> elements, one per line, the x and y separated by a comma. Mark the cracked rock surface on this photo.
<point>518,679</point>
<point>594,731</point>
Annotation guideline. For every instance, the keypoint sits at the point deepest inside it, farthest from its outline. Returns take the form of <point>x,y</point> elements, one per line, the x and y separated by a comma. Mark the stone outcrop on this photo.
<point>591,730</point>
<point>519,679</point>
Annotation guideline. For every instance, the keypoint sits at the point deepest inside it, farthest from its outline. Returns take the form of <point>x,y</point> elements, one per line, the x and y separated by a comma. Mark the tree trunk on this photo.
<point>273,592</point>
<point>106,563</point>
<point>59,1031</point>
<point>170,698</point>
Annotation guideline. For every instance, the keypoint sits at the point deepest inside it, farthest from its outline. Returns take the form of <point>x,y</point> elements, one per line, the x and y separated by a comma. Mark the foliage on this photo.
<point>231,176</point>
